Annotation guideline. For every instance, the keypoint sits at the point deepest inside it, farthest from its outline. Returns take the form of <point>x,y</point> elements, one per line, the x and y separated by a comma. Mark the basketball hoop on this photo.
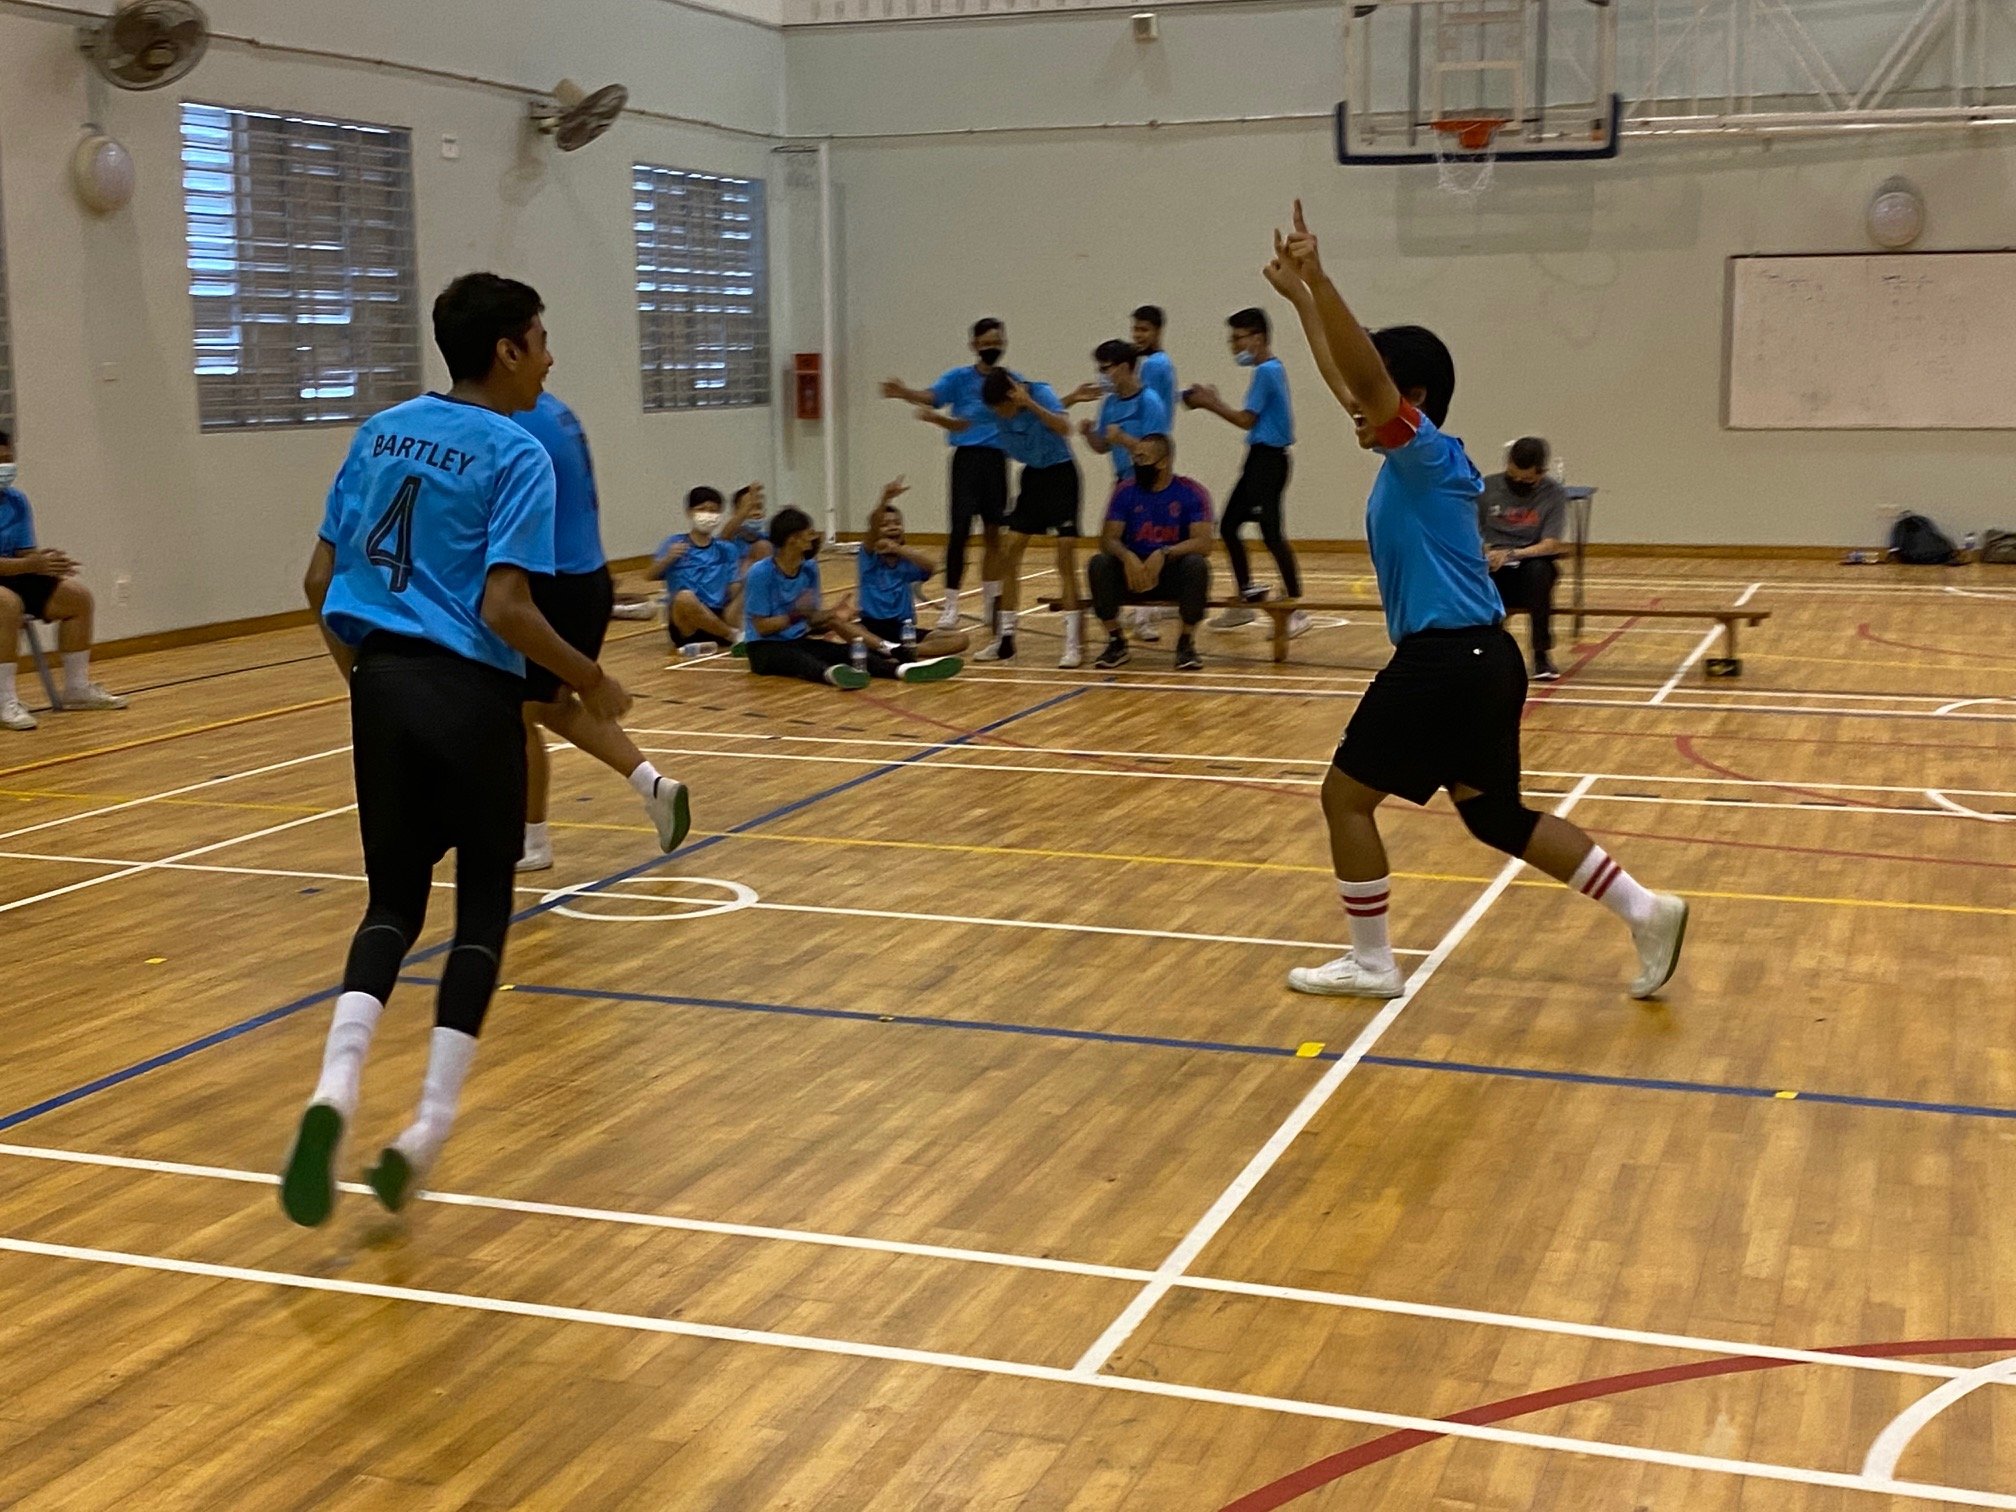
<point>1465,153</point>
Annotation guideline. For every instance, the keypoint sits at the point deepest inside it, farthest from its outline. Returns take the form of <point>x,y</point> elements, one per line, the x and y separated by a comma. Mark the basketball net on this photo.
<point>1466,155</point>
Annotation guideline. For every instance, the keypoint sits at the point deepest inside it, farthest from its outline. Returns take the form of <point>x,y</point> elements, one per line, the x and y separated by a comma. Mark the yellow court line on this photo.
<point>212,803</point>
<point>1903,904</point>
<point>147,740</point>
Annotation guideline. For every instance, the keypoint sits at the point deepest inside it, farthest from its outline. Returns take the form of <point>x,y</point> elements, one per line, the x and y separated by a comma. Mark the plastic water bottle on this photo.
<point>858,654</point>
<point>698,648</point>
<point>909,634</point>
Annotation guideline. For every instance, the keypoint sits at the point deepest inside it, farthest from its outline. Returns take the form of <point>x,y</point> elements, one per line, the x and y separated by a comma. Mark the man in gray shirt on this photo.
<point>1523,514</point>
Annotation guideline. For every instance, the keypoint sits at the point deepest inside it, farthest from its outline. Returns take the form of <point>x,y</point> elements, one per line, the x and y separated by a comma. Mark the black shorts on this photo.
<point>1047,501</point>
<point>889,631</point>
<point>577,605</point>
<point>1443,712</point>
<point>979,485</point>
<point>33,589</point>
<point>438,746</point>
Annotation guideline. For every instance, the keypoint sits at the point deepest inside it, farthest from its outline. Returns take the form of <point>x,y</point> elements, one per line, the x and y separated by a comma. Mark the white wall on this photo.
<point>217,526</point>
<point>1584,302</point>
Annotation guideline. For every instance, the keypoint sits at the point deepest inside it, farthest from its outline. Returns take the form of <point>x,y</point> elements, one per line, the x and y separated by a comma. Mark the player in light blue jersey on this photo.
<point>703,566</point>
<point>421,579</point>
<point>577,598</point>
<point>979,476</point>
<point>1128,408</point>
<point>1444,712</point>
<point>1037,433</point>
<point>1158,368</point>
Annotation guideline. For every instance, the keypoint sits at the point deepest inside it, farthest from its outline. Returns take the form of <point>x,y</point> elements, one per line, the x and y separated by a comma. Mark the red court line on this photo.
<point>1583,659</point>
<point>1805,850</point>
<point>1864,632</point>
<point>1313,1477</point>
<point>1684,744</point>
<point>1734,738</point>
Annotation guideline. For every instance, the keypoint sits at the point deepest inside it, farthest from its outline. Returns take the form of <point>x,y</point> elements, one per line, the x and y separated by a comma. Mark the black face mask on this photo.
<point>1148,476</point>
<point>989,355</point>
<point>1521,489</point>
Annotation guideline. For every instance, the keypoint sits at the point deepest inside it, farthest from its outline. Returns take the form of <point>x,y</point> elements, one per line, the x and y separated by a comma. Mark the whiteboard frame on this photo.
<point>1729,334</point>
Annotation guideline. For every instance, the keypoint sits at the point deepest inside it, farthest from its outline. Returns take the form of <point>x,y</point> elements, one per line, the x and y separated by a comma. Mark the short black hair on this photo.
<point>1151,315</point>
<point>1168,443</point>
<point>786,523</point>
<point>1528,452</point>
<point>1252,318</point>
<point>985,324</point>
<point>742,493</point>
<point>703,495</point>
<point>996,387</point>
<point>1416,358</point>
<point>1116,354</point>
<point>476,312</point>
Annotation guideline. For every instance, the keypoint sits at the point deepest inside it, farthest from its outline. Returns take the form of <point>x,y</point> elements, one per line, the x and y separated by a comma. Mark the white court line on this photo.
<point>1890,1444</point>
<point>1047,925</point>
<point>1345,1300</point>
<point>982,1365</point>
<point>135,868</point>
<point>1700,650</point>
<point>207,782</point>
<point>1205,1229</point>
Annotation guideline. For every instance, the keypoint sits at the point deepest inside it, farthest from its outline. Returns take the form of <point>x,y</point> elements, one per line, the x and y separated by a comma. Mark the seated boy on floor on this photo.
<point>888,574</point>
<point>791,631</point>
<point>704,566</point>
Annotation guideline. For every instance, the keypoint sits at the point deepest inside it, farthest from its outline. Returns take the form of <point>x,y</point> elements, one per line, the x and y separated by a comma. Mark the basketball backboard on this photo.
<point>1536,78</point>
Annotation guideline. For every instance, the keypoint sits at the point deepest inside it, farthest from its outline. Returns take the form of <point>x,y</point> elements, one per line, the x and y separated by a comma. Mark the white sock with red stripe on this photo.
<point>1603,879</point>
<point>1365,903</point>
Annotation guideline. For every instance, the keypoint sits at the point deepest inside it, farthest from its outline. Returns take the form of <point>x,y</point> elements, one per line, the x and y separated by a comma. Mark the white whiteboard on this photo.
<point>1896,341</point>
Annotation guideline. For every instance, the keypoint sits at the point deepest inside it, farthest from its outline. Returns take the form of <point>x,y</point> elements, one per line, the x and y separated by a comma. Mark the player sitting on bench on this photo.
<point>1521,513</point>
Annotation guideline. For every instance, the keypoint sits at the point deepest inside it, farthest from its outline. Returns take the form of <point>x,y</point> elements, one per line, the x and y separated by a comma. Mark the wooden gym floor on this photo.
<point>935,1131</point>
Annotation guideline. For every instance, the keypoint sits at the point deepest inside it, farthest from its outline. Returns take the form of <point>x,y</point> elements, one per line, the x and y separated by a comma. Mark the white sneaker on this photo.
<point>537,857</point>
<point>1001,648</point>
<point>1232,619</point>
<point>949,620</point>
<point>14,717</point>
<point>91,696</point>
<point>1344,977</point>
<point>1144,625</point>
<point>1074,655</point>
<point>1298,623</point>
<point>636,611</point>
<point>670,812</point>
<point>1659,944</point>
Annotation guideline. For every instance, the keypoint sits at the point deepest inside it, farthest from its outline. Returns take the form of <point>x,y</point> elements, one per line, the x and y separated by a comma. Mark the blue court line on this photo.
<point>1282,1052</point>
<point>287,1010</point>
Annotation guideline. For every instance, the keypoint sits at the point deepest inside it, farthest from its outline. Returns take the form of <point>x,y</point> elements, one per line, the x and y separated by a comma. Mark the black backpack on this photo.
<point>1917,540</point>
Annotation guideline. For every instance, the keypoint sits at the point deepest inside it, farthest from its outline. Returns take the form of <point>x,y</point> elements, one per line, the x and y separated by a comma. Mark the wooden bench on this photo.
<point>1728,664</point>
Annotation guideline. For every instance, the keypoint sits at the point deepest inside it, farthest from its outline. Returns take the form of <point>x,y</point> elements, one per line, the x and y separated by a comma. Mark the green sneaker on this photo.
<point>741,649</point>
<point>308,1185</point>
<point>392,1179</point>
<point>931,669</point>
<point>848,678</point>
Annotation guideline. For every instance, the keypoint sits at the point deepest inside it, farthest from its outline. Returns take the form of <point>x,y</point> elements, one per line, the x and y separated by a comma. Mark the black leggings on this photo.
<point>1256,499</point>
<point>808,658</point>
<point>979,490</point>
<point>1529,585</point>
<point>438,746</point>
<point>1185,579</point>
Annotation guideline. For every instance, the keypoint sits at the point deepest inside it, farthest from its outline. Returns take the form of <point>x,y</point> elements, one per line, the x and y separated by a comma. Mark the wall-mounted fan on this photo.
<point>145,44</point>
<point>574,118</point>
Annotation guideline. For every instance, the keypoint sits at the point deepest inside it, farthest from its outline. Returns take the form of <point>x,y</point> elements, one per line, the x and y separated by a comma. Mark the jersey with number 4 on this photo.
<point>435,492</point>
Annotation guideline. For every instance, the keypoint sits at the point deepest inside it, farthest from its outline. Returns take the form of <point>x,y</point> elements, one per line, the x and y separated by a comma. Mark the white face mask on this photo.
<point>705,521</point>
<point>9,471</point>
<point>1244,358</point>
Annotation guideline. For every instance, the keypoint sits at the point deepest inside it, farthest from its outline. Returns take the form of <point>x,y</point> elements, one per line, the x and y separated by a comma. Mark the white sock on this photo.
<point>538,839</point>
<point>645,780</point>
<point>1009,618</point>
<point>1365,902</point>
<point>990,595</point>
<point>1603,879</point>
<point>1074,629</point>
<point>952,603</point>
<point>76,671</point>
<point>350,1029</point>
<point>450,1053</point>
<point>7,693</point>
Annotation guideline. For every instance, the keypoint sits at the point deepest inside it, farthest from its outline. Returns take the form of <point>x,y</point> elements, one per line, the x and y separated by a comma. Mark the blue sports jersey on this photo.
<point>1267,400</point>
<point>1027,439</point>
<point>709,570</point>
<point>433,494</point>
<point>577,511</point>
<point>17,523</point>
<point>886,586</point>
<point>1151,522</point>
<point>958,390</point>
<point>1158,375</point>
<point>1143,415</point>
<point>769,592</point>
<point>1421,526</point>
